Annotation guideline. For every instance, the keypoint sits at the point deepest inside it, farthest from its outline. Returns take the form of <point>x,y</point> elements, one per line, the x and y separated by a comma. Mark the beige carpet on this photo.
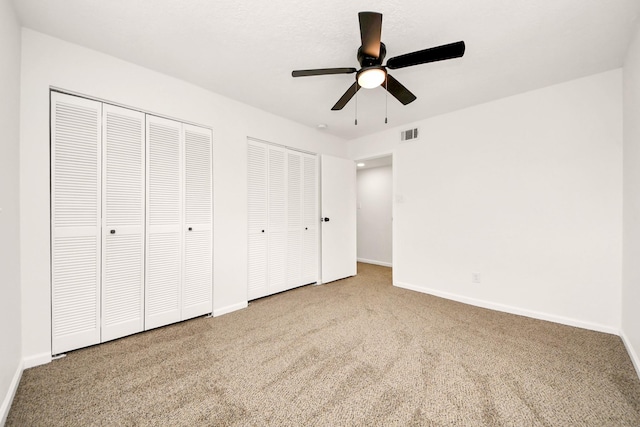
<point>354,352</point>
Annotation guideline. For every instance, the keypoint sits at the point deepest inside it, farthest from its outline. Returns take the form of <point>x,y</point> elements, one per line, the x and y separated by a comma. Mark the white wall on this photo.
<point>10,347</point>
<point>631,215</point>
<point>49,62</point>
<point>375,193</point>
<point>526,191</point>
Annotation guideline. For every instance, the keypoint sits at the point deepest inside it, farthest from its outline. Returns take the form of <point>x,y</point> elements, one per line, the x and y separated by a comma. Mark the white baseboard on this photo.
<point>635,358</point>
<point>511,309</point>
<point>372,261</point>
<point>8,399</point>
<point>230,308</point>
<point>36,360</point>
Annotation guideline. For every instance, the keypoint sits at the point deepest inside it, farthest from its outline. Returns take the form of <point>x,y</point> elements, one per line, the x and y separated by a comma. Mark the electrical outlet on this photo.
<point>475,277</point>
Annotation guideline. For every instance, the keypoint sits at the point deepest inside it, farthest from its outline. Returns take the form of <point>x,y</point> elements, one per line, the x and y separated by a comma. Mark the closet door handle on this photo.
<point>190,228</point>
<point>112,231</point>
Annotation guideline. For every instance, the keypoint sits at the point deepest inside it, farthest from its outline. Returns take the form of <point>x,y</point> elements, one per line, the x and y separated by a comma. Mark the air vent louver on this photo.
<point>408,135</point>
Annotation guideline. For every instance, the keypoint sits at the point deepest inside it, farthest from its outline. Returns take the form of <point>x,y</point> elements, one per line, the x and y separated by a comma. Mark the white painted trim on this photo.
<point>511,309</point>
<point>8,399</point>
<point>262,141</point>
<point>36,360</point>
<point>230,308</point>
<point>372,261</point>
<point>635,358</point>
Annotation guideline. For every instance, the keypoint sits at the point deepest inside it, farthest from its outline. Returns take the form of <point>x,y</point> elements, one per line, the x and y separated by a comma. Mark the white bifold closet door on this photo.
<point>131,222</point>
<point>295,217</point>
<point>179,276</point>
<point>123,227</point>
<point>310,219</point>
<point>257,213</point>
<point>75,221</point>
<point>268,226</point>
<point>282,219</point>
<point>277,219</point>
<point>197,290</point>
<point>164,222</point>
<point>302,218</point>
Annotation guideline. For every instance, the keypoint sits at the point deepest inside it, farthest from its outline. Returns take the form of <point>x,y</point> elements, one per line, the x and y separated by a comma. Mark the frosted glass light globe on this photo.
<point>371,77</point>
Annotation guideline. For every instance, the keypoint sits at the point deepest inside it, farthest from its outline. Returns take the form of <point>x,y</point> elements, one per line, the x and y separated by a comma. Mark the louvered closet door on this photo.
<point>163,273</point>
<point>257,216</point>
<point>294,219</point>
<point>277,219</point>
<point>311,219</point>
<point>198,257</point>
<point>75,222</point>
<point>123,159</point>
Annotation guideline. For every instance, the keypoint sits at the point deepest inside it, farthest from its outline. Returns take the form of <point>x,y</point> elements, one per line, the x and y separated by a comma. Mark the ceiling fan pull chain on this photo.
<point>356,107</point>
<point>386,98</point>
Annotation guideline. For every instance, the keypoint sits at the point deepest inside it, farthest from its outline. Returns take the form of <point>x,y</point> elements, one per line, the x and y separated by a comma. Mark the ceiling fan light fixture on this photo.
<point>371,55</point>
<point>371,77</point>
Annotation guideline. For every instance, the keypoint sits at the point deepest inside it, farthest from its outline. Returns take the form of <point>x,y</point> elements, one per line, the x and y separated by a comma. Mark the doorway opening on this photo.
<point>374,181</point>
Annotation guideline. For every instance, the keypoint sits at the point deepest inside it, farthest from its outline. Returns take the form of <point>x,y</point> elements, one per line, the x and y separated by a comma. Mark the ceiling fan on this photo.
<point>370,56</point>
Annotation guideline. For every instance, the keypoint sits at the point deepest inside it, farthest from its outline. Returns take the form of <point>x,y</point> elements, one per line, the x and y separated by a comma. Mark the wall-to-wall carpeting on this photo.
<point>354,352</point>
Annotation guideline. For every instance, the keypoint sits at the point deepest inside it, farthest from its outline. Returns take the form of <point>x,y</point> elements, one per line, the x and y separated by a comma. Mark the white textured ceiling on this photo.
<point>246,49</point>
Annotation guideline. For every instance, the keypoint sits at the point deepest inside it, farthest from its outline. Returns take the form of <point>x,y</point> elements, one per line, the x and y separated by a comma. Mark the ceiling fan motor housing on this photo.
<point>368,61</point>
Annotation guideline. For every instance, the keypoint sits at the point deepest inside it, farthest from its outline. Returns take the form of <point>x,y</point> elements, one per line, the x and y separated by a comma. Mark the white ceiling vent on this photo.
<point>409,135</point>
